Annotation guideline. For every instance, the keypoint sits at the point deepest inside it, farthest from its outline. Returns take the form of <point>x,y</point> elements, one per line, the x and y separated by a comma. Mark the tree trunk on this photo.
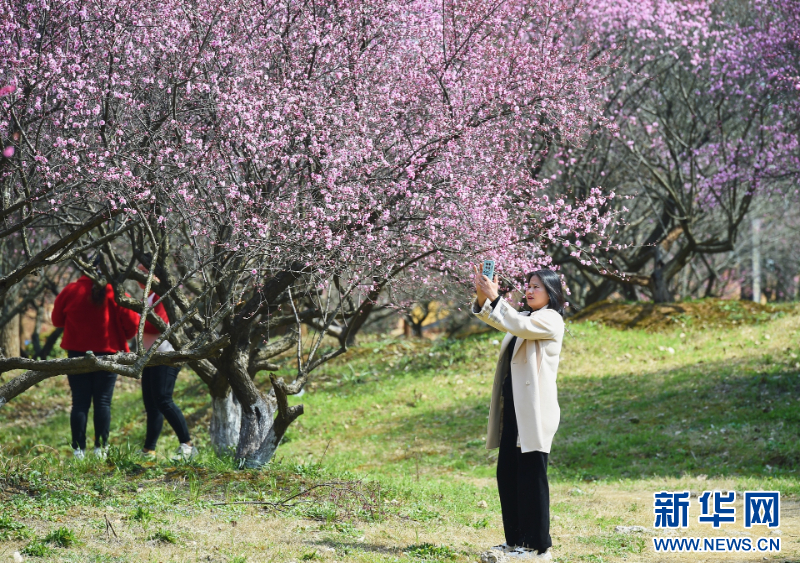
<point>797,286</point>
<point>9,338</point>
<point>226,422</point>
<point>685,281</point>
<point>659,283</point>
<point>258,437</point>
<point>600,292</point>
<point>629,292</point>
<point>756,260</point>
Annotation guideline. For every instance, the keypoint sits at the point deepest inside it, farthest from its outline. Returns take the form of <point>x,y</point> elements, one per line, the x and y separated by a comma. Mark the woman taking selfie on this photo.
<point>524,412</point>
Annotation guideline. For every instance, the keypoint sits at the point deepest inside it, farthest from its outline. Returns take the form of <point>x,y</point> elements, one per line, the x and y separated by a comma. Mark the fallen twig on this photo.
<point>110,526</point>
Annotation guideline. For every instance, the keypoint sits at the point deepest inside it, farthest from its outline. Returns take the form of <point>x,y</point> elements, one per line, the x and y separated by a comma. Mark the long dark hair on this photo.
<point>552,285</point>
<point>98,294</point>
<point>98,291</point>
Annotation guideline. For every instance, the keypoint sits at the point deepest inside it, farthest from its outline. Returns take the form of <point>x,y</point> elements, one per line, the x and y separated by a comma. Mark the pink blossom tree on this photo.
<point>703,96</point>
<point>282,164</point>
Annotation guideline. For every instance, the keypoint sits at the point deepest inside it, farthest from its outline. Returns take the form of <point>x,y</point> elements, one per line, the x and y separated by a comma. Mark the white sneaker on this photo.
<point>78,453</point>
<point>100,453</point>
<point>185,452</point>
<point>504,547</point>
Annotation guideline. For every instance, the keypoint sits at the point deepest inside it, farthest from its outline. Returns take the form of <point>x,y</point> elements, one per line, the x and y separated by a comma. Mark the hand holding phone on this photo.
<point>488,269</point>
<point>485,288</point>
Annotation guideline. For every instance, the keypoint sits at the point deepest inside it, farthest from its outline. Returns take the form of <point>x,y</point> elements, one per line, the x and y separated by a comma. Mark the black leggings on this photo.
<point>522,484</point>
<point>158,382</point>
<point>97,386</point>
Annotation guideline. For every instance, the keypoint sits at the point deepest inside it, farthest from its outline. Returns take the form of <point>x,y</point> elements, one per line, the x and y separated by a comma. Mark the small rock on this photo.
<point>496,342</point>
<point>766,337</point>
<point>629,529</point>
<point>18,557</point>
<point>492,556</point>
<point>671,350</point>
<point>775,532</point>
<point>483,504</point>
<point>683,335</point>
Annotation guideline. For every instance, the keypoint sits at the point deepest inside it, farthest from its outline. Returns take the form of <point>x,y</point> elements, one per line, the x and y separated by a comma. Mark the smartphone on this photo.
<point>488,269</point>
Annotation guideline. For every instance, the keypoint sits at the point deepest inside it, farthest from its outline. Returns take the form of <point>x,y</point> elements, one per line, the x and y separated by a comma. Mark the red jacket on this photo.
<point>99,328</point>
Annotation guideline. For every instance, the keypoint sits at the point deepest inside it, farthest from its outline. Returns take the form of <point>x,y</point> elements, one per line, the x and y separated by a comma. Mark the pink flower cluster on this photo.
<point>360,138</point>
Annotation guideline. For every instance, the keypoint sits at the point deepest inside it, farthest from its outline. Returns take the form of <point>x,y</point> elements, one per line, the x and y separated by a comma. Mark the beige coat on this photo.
<point>534,367</point>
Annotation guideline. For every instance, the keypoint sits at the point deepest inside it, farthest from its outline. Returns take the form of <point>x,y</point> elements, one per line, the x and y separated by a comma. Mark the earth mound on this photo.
<point>703,313</point>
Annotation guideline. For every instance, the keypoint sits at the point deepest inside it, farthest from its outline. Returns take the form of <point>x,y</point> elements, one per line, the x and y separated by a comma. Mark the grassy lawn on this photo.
<point>389,462</point>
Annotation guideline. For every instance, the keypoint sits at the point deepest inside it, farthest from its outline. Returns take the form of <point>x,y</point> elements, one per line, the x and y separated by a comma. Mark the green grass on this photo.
<point>430,552</point>
<point>10,528</point>
<point>699,410</point>
<point>37,548</point>
<point>395,431</point>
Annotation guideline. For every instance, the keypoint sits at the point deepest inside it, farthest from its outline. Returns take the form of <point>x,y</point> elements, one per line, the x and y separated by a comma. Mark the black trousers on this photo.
<point>97,387</point>
<point>158,383</point>
<point>522,484</point>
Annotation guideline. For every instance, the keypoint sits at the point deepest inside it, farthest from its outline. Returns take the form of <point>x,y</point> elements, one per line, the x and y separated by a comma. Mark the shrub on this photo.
<point>142,515</point>
<point>163,535</point>
<point>63,537</point>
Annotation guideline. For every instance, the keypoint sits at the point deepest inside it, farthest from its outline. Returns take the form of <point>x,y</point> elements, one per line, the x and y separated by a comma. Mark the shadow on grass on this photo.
<point>722,418</point>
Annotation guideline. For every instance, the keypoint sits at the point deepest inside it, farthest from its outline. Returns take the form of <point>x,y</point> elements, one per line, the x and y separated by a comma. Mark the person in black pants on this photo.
<point>97,386</point>
<point>158,383</point>
<point>521,480</point>
<point>524,412</point>
<point>94,324</point>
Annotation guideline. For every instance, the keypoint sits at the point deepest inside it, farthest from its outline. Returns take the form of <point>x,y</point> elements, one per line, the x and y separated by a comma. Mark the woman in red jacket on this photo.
<point>92,322</point>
